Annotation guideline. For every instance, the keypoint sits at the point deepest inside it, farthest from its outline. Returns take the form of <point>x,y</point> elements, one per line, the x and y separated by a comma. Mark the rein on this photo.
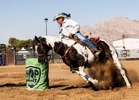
<point>64,56</point>
<point>67,50</point>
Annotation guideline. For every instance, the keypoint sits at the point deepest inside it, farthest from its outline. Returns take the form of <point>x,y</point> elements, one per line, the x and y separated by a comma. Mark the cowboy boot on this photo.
<point>95,52</point>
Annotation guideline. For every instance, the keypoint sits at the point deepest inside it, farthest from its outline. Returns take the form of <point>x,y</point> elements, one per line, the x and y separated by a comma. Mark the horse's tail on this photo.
<point>116,52</point>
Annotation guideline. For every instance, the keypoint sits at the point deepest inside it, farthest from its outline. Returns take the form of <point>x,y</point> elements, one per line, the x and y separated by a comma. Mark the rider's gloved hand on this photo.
<point>70,35</point>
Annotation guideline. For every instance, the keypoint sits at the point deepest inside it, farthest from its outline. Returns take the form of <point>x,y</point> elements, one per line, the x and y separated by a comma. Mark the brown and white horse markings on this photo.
<point>76,59</point>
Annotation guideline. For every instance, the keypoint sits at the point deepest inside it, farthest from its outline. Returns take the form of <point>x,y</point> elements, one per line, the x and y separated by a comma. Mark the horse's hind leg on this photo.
<point>86,77</point>
<point>122,72</point>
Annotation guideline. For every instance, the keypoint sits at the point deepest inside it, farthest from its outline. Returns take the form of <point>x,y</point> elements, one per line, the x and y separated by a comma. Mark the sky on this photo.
<point>23,19</point>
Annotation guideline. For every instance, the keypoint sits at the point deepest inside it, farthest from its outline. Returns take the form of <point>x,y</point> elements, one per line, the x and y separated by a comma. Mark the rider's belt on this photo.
<point>78,31</point>
<point>75,33</point>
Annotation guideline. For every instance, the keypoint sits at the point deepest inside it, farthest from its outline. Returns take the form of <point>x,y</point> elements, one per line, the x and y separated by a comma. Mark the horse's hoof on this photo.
<point>94,81</point>
<point>92,85</point>
<point>129,87</point>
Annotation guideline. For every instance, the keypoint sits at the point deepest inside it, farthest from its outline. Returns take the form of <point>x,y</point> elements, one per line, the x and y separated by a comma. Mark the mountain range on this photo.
<point>113,29</point>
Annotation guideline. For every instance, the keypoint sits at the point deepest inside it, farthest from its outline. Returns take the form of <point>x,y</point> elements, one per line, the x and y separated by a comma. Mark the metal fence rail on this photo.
<point>20,58</point>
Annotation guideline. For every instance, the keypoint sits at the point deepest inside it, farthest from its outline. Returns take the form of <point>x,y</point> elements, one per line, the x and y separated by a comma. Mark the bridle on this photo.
<point>43,54</point>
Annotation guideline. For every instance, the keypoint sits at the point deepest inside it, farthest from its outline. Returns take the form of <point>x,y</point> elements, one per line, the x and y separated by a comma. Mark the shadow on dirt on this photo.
<point>24,84</point>
<point>75,87</point>
<point>57,86</point>
<point>13,85</point>
<point>133,76</point>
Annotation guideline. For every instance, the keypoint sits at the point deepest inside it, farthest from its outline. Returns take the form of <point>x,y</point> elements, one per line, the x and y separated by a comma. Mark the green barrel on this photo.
<point>36,74</point>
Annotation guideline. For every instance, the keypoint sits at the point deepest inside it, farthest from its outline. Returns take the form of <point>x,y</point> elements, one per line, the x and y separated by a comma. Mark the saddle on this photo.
<point>94,39</point>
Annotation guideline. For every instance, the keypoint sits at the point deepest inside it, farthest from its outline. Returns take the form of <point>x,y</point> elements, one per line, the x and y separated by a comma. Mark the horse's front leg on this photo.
<point>86,77</point>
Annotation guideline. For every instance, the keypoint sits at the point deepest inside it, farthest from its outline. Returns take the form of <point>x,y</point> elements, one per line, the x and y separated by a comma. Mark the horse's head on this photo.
<point>42,49</point>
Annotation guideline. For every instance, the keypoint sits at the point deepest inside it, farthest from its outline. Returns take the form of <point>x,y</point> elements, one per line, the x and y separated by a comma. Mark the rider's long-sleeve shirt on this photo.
<point>69,26</point>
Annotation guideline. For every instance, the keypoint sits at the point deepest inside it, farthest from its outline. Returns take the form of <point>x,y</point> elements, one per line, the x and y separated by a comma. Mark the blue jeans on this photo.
<point>86,41</point>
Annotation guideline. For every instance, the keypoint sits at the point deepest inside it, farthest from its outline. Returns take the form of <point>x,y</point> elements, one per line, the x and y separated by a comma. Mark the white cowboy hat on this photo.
<point>58,16</point>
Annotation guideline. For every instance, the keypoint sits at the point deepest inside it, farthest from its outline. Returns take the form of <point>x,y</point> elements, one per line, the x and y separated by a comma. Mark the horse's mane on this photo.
<point>53,39</point>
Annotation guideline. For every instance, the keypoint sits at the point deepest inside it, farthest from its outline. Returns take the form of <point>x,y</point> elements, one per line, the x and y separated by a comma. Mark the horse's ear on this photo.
<point>36,39</point>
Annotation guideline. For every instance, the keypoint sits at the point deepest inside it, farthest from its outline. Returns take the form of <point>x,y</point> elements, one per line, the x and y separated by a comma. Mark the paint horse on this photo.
<point>78,57</point>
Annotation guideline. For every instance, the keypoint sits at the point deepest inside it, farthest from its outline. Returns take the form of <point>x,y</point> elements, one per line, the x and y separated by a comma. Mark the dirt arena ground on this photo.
<point>64,85</point>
